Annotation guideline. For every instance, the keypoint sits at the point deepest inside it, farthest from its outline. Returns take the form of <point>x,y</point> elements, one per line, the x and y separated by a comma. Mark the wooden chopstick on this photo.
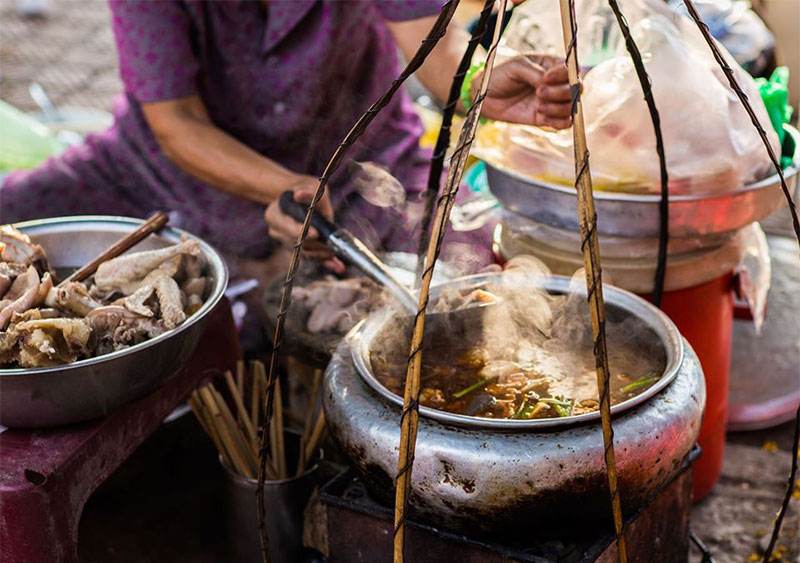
<point>226,434</point>
<point>255,397</point>
<point>237,441</point>
<point>244,419</point>
<point>155,223</point>
<point>248,450</point>
<point>281,462</point>
<point>240,380</point>
<point>312,407</point>
<point>196,403</point>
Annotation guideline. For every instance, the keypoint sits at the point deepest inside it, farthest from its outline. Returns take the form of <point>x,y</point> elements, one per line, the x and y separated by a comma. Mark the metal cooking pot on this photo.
<point>478,475</point>
<point>86,389</point>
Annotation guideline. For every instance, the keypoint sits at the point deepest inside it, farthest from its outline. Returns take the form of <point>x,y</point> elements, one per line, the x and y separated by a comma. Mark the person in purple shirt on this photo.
<point>229,104</point>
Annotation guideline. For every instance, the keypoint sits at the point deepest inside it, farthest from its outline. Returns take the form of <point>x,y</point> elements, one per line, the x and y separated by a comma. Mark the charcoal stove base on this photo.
<point>359,530</point>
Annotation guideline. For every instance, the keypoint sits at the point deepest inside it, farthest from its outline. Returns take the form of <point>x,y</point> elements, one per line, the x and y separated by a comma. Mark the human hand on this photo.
<point>286,230</point>
<point>528,89</point>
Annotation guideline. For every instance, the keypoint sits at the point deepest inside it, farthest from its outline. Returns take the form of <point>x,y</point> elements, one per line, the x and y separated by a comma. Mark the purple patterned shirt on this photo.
<point>287,78</point>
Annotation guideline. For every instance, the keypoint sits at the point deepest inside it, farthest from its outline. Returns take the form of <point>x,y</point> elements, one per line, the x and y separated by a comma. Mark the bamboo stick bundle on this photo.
<point>409,421</point>
<point>591,260</point>
<point>233,429</point>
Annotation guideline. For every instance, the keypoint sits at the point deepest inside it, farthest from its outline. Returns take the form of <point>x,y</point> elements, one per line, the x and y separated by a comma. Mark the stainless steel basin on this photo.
<point>86,389</point>
<point>637,216</point>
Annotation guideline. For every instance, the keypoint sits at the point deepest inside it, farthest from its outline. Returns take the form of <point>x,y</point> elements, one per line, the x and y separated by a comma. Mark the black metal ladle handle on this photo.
<point>297,211</point>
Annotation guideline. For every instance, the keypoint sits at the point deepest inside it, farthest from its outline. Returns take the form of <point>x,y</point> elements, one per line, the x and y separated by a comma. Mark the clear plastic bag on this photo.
<point>710,144</point>
<point>735,25</point>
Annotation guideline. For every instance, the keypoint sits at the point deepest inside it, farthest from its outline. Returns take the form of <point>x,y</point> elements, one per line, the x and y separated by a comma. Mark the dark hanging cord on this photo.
<point>437,31</point>
<point>443,140</point>
<point>795,224</point>
<point>729,74</point>
<point>663,206</point>
<point>776,530</point>
<point>706,553</point>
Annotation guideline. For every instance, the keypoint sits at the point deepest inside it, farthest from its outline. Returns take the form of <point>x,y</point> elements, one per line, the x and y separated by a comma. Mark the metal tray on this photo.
<point>86,389</point>
<point>636,216</point>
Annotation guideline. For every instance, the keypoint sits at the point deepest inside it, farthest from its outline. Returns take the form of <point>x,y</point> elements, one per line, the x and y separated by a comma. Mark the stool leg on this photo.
<point>38,528</point>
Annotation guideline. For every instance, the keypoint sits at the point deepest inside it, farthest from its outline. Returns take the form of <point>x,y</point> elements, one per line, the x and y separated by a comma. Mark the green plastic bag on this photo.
<point>775,93</point>
<point>24,142</point>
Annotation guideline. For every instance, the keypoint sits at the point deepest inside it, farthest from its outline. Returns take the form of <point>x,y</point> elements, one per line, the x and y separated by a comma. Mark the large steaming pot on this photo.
<point>519,475</point>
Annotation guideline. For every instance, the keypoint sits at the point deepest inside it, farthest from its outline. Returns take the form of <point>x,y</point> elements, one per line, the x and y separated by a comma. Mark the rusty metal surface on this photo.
<point>359,531</point>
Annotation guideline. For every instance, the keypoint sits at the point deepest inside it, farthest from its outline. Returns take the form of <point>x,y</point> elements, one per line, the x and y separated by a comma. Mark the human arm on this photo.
<point>528,89</point>
<point>190,139</point>
<point>187,136</point>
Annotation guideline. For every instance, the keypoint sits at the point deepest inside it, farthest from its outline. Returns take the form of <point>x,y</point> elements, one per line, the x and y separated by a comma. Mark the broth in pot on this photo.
<point>519,363</point>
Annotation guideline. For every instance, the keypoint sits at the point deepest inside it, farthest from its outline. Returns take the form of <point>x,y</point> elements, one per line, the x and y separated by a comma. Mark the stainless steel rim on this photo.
<point>361,335</point>
<point>171,234</point>
<point>656,198</point>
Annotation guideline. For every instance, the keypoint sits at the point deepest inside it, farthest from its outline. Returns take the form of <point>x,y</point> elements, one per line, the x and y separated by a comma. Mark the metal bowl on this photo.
<point>637,216</point>
<point>619,301</point>
<point>87,389</point>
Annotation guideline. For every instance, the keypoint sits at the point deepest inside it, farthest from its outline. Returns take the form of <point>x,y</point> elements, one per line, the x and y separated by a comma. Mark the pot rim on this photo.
<point>360,338</point>
<point>270,482</point>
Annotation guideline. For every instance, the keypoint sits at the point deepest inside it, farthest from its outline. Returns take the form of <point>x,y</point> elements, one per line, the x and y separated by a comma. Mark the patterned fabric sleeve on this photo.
<point>155,50</point>
<point>402,10</point>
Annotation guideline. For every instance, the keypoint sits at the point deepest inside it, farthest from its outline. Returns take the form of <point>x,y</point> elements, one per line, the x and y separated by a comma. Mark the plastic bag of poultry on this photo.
<point>711,146</point>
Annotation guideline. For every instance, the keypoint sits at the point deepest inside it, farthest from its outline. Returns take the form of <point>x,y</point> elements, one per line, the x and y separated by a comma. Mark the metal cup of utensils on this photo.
<point>285,501</point>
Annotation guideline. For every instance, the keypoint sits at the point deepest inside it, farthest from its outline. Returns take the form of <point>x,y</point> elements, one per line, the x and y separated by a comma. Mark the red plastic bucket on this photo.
<point>704,316</point>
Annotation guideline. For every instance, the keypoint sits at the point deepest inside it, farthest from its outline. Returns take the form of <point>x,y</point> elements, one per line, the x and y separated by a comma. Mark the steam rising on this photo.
<point>377,185</point>
<point>553,333</point>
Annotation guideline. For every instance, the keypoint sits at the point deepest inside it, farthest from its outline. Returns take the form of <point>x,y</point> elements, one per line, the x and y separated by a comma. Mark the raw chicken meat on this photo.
<point>38,342</point>
<point>122,273</point>
<point>132,298</point>
<point>17,248</point>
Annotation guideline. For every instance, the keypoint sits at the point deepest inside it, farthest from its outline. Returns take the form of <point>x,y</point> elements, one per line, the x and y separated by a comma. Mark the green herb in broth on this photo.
<point>462,378</point>
<point>473,387</point>
<point>521,410</point>
<point>648,379</point>
<point>563,408</point>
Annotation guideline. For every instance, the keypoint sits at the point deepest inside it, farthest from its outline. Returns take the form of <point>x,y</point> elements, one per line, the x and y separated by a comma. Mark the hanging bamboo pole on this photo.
<point>437,31</point>
<point>591,262</point>
<point>409,420</point>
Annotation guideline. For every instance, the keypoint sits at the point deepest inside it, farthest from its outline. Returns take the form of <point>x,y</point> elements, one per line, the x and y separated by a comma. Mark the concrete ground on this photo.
<point>164,504</point>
